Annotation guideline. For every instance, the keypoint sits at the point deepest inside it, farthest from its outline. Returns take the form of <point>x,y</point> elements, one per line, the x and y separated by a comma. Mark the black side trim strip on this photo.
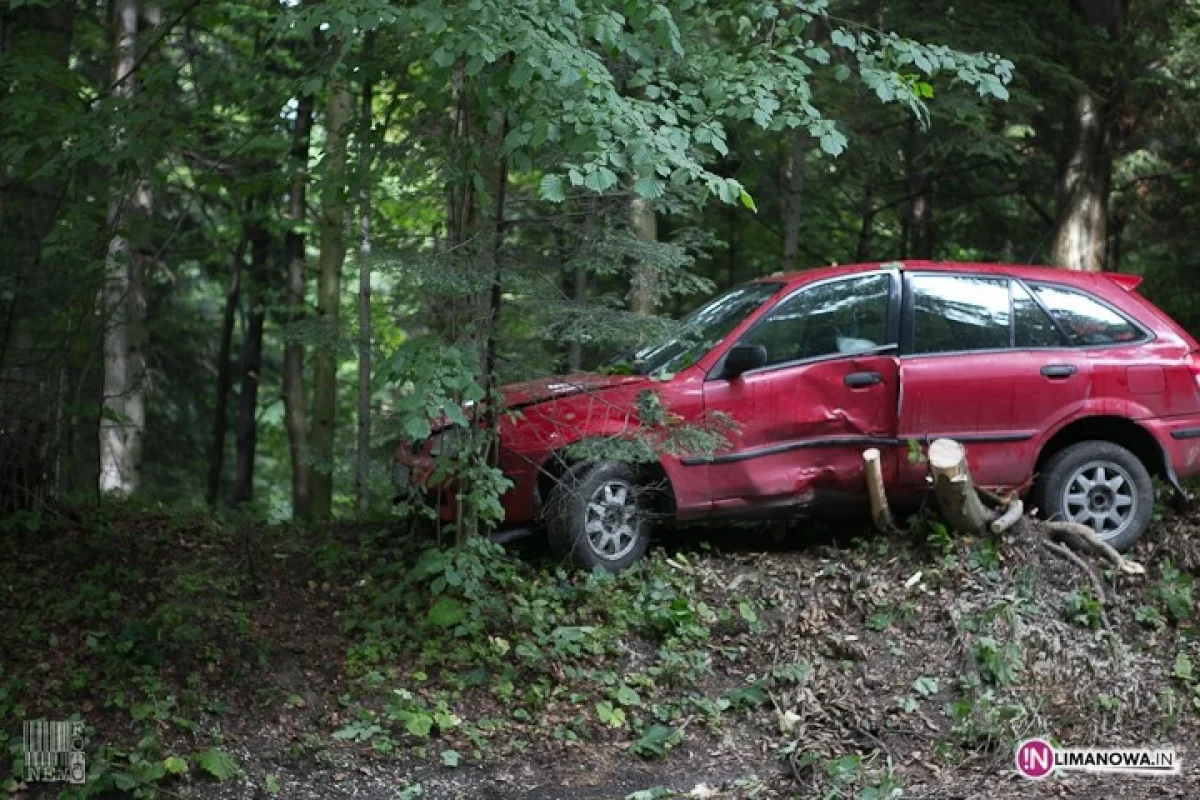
<point>1186,433</point>
<point>985,437</point>
<point>867,441</point>
<point>802,444</point>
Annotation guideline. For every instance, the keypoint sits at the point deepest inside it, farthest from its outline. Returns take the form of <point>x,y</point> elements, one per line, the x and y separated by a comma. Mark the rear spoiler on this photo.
<point>1127,282</point>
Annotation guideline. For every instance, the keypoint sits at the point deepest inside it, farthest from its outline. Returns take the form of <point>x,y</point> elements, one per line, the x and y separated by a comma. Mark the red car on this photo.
<point>1067,383</point>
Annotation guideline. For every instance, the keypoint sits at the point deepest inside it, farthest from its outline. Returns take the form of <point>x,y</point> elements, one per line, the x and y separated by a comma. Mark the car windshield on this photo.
<point>697,333</point>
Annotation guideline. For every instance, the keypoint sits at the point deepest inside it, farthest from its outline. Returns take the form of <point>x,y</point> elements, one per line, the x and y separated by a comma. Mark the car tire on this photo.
<point>1102,485</point>
<point>597,515</point>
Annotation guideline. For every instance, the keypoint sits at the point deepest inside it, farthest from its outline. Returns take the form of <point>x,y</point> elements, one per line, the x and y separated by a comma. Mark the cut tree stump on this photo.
<point>961,505</point>
<point>881,512</point>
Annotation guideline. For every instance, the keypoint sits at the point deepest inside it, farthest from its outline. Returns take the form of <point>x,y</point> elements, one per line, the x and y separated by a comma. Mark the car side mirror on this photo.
<point>743,358</point>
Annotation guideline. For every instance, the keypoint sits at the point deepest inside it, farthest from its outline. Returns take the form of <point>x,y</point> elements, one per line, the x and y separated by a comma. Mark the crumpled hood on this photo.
<point>527,393</point>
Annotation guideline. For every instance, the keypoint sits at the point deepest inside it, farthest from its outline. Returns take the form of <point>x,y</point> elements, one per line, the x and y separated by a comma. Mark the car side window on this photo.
<point>843,316</point>
<point>956,313</point>
<point>1085,319</point>
<point>1031,326</point>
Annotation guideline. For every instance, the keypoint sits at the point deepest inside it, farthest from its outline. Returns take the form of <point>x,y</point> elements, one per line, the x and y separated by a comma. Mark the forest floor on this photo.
<point>233,660</point>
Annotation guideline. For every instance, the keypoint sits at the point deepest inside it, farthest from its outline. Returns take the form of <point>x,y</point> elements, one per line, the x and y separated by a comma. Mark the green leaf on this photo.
<point>417,428</point>
<point>175,765</point>
<point>1183,668</point>
<point>628,697</point>
<point>552,188</point>
<point>450,758</point>
<point>446,612</point>
<point>610,715</point>
<point>418,723</point>
<point>841,38</point>
<point>748,201</point>
<point>217,763</point>
<point>654,793</point>
<point>649,187</point>
<point>925,686</point>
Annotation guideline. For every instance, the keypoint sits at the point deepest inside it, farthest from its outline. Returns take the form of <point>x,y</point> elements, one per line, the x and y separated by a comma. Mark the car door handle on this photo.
<point>1058,371</point>
<point>857,380</point>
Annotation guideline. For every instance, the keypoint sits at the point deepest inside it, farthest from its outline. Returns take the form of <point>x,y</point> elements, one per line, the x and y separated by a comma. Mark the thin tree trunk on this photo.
<point>917,236</point>
<point>123,421</point>
<point>216,455</point>
<point>591,227</point>
<point>866,233</point>
<point>920,218</point>
<point>363,445</point>
<point>497,275</point>
<point>494,301</point>
<point>333,254</point>
<point>644,225</point>
<point>733,253</point>
<point>251,367</point>
<point>295,406</point>
<point>452,316</point>
<point>793,200</point>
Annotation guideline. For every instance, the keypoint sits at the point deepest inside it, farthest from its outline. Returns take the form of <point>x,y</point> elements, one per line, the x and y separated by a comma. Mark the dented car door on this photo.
<point>828,389</point>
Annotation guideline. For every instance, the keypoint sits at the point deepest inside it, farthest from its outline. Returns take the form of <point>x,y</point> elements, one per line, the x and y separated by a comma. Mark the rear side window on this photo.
<point>1031,326</point>
<point>957,313</point>
<point>1085,319</point>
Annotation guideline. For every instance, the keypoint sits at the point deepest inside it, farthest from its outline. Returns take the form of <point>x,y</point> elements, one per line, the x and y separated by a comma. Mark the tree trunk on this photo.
<point>591,228</point>
<point>793,200</point>
<point>918,213</point>
<point>733,254</point>
<point>495,297</point>
<point>216,456</point>
<point>30,205</point>
<point>123,420</point>
<point>295,406</point>
<point>866,231</point>
<point>362,467</point>
<point>333,254</point>
<point>1081,235</point>
<point>644,225</point>
<point>1085,164</point>
<point>247,421</point>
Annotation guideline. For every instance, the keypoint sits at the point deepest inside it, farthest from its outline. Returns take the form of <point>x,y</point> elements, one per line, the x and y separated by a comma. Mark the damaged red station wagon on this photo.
<point>1068,384</point>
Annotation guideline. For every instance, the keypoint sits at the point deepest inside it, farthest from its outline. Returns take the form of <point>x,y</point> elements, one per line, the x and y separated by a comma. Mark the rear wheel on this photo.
<point>1101,485</point>
<point>598,516</point>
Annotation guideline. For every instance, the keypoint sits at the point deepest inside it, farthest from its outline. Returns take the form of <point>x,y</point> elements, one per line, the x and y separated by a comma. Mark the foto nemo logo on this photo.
<point>1035,759</point>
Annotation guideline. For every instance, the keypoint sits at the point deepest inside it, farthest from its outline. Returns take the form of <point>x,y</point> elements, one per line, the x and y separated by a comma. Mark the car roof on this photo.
<point>1033,273</point>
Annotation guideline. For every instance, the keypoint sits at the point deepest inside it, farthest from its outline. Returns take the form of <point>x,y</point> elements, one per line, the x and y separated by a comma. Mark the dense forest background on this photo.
<point>246,244</point>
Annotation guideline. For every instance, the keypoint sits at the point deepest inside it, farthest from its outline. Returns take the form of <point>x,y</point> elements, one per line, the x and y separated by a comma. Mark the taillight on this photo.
<point>1194,366</point>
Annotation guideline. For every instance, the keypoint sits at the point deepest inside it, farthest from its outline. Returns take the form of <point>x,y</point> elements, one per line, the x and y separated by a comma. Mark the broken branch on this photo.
<point>1010,516</point>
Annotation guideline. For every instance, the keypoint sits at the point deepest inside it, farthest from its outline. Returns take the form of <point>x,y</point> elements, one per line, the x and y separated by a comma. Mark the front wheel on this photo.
<point>1101,485</point>
<point>598,516</point>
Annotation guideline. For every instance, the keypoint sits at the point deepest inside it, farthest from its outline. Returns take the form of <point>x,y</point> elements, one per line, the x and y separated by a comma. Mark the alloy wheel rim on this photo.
<point>1101,495</point>
<point>610,520</point>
